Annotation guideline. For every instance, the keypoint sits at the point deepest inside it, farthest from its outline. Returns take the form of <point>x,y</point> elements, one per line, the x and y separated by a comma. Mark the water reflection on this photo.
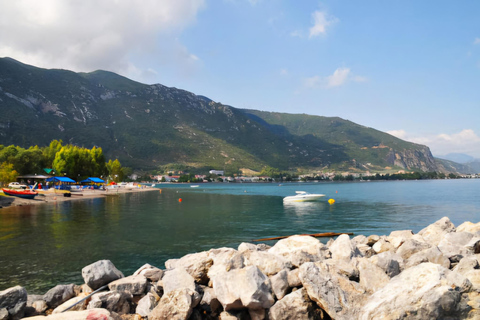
<point>304,208</point>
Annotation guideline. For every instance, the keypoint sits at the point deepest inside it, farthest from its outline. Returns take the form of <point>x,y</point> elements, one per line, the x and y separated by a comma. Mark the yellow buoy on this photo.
<point>331,201</point>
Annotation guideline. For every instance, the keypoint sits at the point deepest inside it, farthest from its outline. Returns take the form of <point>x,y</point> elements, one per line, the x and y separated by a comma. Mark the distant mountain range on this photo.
<point>146,126</point>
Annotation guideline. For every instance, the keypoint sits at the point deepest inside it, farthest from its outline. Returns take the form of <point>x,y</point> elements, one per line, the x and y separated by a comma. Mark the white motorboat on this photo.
<point>303,196</point>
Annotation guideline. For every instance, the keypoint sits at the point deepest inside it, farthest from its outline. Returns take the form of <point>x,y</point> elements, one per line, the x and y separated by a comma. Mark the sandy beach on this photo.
<point>58,195</point>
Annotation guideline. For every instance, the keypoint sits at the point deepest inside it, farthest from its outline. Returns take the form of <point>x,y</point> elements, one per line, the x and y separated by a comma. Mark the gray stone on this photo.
<point>343,248</point>
<point>426,291</point>
<point>433,255</point>
<point>59,294</point>
<point>91,314</point>
<point>467,226</point>
<point>267,262</point>
<point>150,272</point>
<point>146,305</point>
<point>100,273</point>
<point>4,314</point>
<point>247,287</point>
<point>454,243</point>
<point>360,239</point>
<point>177,279</point>
<point>209,303</point>
<point>391,263</point>
<point>300,249</point>
<point>295,305</point>
<point>293,279</point>
<point>177,304</point>
<point>434,233</point>
<point>14,299</point>
<point>118,302</point>
<point>467,264</point>
<point>372,277</point>
<point>279,284</point>
<point>135,285</point>
<point>196,264</point>
<point>410,247</point>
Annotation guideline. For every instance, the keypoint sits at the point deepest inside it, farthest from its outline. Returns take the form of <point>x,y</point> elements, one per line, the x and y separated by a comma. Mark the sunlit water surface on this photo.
<point>49,244</point>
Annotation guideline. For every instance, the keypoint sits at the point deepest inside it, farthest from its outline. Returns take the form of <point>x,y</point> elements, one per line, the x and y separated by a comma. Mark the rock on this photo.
<point>343,248</point>
<point>410,247</point>
<point>372,239</point>
<point>279,284</point>
<point>245,246</point>
<point>257,314</point>
<point>372,277</point>
<point>100,273</point>
<point>397,238</point>
<point>209,303</point>
<point>225,259</point>
<point>474,277</point>
<point>92,314</point>
<point>432,255</point>
<point>135,285</point>
<point>365,250</point>
<point>146,305</point>
<point>335,294</point>
<point>391,263</point>
<point>4,314</point>
<point>225,315</point>
<point>72,302</point>
<point>467,226</point>
<point>382,245</point>
<point>119,302</point>
<point>14,300</point>
<point>150,272</point>
<point>177,279</point>
<point>299,249</point>
<point>267,262</point>
<point>293,279</point>
<point>434,233</point>
<point>247,287</point>
<point>426,291</point>
<point>59,294</point>
<point>295,305</point>
<point>466,265</point>
<point>196,264</point>
<point>360,239</point>
<point>40,306</point>
<point>454,243</point>
<point>346,268</point>
<point>177,304</point>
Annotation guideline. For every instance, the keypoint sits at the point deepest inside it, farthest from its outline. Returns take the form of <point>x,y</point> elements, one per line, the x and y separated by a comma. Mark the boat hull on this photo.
<point>24,194</point>
<point>304,197</point>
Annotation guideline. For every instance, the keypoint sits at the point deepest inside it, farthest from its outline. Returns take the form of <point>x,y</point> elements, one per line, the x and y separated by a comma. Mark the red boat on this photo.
<point>25,194</point>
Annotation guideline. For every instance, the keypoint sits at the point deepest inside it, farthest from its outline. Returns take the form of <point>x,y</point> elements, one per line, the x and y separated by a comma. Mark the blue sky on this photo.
<point>410,68</point>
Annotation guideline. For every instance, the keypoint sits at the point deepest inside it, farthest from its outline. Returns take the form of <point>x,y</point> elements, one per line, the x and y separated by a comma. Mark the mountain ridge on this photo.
<point>146,126</point>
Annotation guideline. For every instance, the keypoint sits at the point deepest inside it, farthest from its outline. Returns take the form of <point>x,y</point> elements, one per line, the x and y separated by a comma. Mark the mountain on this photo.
<point>458,157</point>
<point>146,126</point>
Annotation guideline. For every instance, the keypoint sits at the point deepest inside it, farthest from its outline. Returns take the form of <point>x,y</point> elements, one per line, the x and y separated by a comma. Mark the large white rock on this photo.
<point>225,259</point>
<point>397,238</point>
<point>343,248</point>
<point>196,264</point>
<point>280,284</point>
<point>339,297</point>
<point>150,272</point>
<point>267,262</point>
<point>410,247</point>
<point>295,305</point>
<point>177,304</point>
<point>382,245</point>
<point>100,273</point>
<point>80,315</point>
<point>247,287</point>
<point>391,263</point>
<point>433,255</point>
<point>372,277</point>
<point>135,285</point>
<point>176,279</point>
<point>468,226</point>
<point>426,291</point>
<point>434,233</point>
<point>454,243</point>
<point>467,264</point>
<point>300,249</point>
<point>146,305</point>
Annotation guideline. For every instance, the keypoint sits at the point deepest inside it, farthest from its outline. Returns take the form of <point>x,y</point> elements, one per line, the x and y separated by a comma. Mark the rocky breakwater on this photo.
<point>434,274</point>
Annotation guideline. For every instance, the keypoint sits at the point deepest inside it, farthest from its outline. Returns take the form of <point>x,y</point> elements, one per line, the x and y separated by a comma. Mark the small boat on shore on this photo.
<point>303,196</point>
<point>25,194</point>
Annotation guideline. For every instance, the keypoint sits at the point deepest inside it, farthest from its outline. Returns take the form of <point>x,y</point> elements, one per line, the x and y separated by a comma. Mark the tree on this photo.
<point>7,173</point>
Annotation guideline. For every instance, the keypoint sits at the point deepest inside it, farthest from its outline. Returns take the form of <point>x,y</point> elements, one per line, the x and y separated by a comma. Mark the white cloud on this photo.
<point>339,77</point>
<point>88,35</point>
<point>476,41</point>
<point>465,141</point>
<point>320,23</point>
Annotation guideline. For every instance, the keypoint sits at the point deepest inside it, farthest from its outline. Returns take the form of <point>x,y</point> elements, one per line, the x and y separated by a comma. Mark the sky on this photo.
<point>410,68</point>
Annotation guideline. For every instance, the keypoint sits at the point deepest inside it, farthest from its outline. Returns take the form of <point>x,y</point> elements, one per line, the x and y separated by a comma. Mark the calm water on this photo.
<point>41,246</point>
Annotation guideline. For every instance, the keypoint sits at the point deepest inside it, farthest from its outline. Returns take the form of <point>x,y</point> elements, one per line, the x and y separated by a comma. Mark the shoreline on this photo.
<point>53,196</point>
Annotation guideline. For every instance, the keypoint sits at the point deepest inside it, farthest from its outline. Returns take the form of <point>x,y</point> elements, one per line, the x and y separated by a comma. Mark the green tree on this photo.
<point>7,173</point>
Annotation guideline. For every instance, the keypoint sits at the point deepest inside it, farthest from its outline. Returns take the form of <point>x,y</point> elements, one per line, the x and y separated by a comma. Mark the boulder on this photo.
<point>177,279</point>
<point>150,272</point>
<point>92,314</point>
<point>293,279</point>
<point>410,247</point>
<point>372,277</point>
<point>146,305</point>
<point>295,305</point>
<point>257,314</point>
<point>339,297</point>
<point>225,259</point>
<point>59,294</point>
<point>119,302</point>
<point>346,268</point>
<point>4,314</point>
<point>279,284</point>
<point>382,245</point>
<point>467,264</point>
<point>343,248</point>
<point>454,243</point>
<point>14,300</point>
<point>433,255</point>
<point>209,303</point>
<point>434,233</point>
<point>372,239</point>
<point>177,304</point>
<point>467,226</point>
<point>247,287</point>
<point>391,263</point>
<point>75,302</point>
<point>426,291</point>
<point>267,262</point>
<point>135,285</point>
<point>196,264</point>
<point>300,249</point>
<point>397,238</point>
<point>360,239</point>
<point>100,273</point>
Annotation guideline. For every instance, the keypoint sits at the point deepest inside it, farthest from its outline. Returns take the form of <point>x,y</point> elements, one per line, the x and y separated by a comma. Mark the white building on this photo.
<point>217,172</point>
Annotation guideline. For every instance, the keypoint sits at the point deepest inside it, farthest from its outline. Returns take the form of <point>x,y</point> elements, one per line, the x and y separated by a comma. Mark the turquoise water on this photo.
<point>48,244</point>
